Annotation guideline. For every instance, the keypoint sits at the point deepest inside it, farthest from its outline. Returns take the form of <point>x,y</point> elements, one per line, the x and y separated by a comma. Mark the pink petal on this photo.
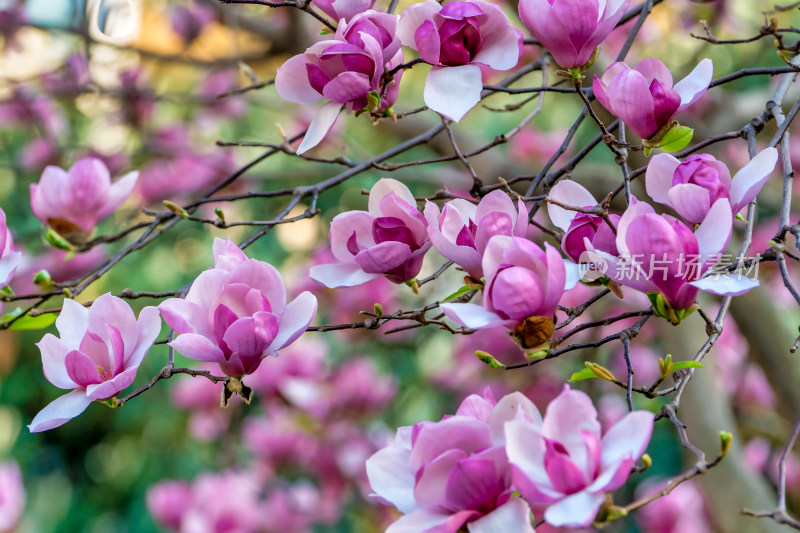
<point>383,188</point>
<point>60,411</point>
<point>296,318</point>
<point>110,388</point>
<point>473,316</point>
<point>570,193</point>
<point>320,126</point>
<point>54,353</point>
<point>514,515</point>
<point>726,284</point>
<point>526,447</point>
<point>82,370</point>
<point>432,478</point>
<point>262,277</point>
<point>453,91</point>
<point>653,69</point>
<point>391,478</point>
<point>628,438</point>
<point>149,327</point>
<point>291,81</point>
<point>339,275</point>
<point>747,183</point>
<point>567,415</point>
<point>424,521</point>
<point>383,257</point>
<point>118,193</point>
<point>577,510</point>
<point>691,201</point>
<point>197,347</point>
<point>72,323</point>
<point>413,16</point>
<point>499,49</point>
<point>715,230</point>
<point>658,177</point>
<point>693,86</point>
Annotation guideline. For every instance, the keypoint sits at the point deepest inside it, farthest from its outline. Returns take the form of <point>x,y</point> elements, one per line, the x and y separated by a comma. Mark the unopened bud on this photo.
<point>487,358</point>
<point>378,310</point>
<point>725,439</point>
<point>42,278</point>
<point>601,372</point>
<point>175,208</point>
<point>647,462</point>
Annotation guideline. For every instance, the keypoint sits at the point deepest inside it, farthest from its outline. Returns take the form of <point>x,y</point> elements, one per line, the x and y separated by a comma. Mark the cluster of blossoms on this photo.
<point>466,469</point>
<point>314,419</point>
<point>361,67</point>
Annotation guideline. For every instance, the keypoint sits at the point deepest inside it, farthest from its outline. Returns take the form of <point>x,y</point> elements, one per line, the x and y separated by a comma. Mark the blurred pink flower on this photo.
<point>97,356</point>
<point>73,202</point>
<point>12,496</point>
<point>9,257</point>
<point>680,511</point>
<point>344,9</point>
<point>168,501</point>
<point>188,21</point>
<point>39,153</point>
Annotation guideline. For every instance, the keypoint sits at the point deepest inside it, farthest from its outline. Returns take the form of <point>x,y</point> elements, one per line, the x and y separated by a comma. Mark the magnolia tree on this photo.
<point>557,292</point>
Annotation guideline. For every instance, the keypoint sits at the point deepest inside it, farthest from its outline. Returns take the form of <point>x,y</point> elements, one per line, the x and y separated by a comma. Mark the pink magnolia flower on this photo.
<point>168,501</point>
<point>346,70</point>
<point>571,29</point>
<point>38,154</point>
<point>691,187</point>
<point>523,286</point>
<point>97,355</point>
<point>236,314</point>
<point>12,496</point>
<point>224,502</point>
<point>680,511</point>
<point>188,21</point>
<point>461,230</point>
<point>73,202</point>
<point>9,258</point>
<point>644,98</point>
<point>454,473</point>
<point>660,254</point>
<point>564,462</point>
<point>583,232</point>
<point>344,9</point>
<point>71,79</point>
<point>390,239</point>
<point>457,39</point>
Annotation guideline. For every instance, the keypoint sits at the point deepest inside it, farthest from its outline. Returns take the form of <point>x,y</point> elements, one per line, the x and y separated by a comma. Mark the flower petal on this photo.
<point>60,411</point>
<point>297,315</point>
<point>453,91</point>
<point>693,86</point>
<point>473,316</point>
<point>747,183</point>
<point>576,510</point>
<point>570,193</point>
<point>514,515</point>
<point>197,347</point>
<point>320,126</point>
<point>338,275</point>
<point>658,177</point>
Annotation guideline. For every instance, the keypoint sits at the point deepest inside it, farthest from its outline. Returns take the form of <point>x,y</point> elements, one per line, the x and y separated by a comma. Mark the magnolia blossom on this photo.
<point>571,29</point>
<point>73,202</point>
<point>660,254</point>
<point>644,98</point>
<point>456,39</point>
<point>583,232</point>
<point>168,501</point>
<point>9,259</point>
<point>564,462</point>
<point>346,70</point>
<point>390,239</point>
<point>97,355</point>
<point>188,21</point>
<point>461,230</point>
<point>454,473</point>
<point>680,511</point>
<point>343,9</point>
<point>12,495</point>
<point>236,314</point>
<point>691,187</point>
<point>523,286</point>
